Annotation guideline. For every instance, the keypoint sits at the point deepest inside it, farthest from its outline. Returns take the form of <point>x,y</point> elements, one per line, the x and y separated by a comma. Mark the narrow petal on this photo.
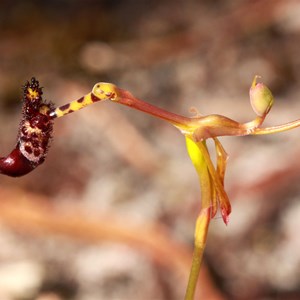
<point>214,198</point>
<point>203,172</point>
<point>222,196</point>
<point>222,158</point>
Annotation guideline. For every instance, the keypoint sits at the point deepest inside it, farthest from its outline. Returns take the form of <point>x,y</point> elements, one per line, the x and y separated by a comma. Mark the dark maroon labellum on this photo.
<point>34,135</point>
<point>15,164</point>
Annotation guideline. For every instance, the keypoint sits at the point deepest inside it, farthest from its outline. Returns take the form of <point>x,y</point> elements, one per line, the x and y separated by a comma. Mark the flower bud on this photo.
<point>261,98</point>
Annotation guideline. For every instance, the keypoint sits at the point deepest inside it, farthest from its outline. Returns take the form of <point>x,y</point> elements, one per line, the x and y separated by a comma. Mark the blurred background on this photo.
<point>111,213</point>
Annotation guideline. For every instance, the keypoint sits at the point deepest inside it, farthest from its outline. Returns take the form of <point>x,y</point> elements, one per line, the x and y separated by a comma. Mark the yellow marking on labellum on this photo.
<point>44,109</point>
<point>29,129</point>
<point>33,93</point>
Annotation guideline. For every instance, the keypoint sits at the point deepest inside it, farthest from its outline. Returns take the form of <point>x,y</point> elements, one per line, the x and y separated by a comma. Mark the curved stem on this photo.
<point>126,98</point>
<point>276,129</point>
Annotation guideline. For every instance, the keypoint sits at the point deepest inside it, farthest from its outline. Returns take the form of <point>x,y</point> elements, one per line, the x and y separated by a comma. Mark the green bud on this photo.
<point>261,98</point>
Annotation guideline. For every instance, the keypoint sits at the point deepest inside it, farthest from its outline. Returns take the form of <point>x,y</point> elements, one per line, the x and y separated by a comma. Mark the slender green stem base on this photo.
<point>199,246</point>
<point>194,274</point>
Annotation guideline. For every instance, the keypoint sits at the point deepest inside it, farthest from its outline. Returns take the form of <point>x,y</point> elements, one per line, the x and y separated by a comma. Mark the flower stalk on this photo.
<point>196,131</point>
<point>206,213</point>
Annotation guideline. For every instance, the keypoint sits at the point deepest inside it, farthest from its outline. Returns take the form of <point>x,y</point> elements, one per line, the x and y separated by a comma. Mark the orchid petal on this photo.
<point>222,158</point>
<point>222,196</point>
<point>201,167</point>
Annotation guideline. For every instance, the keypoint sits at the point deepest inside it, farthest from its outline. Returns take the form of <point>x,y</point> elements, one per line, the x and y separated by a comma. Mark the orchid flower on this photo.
<point>39,116</point>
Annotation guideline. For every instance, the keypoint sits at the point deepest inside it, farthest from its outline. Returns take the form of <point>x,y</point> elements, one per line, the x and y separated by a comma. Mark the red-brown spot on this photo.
<point>36,152</point>
<point>64,107</point>
<point>35,143</point>
<point>28,149</point>
<point>94,98</point>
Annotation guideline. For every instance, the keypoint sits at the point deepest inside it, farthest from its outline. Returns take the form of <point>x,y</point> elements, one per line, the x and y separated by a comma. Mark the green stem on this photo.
<point>199,246</point>
<point>204,216</point>
<point>194,274</point>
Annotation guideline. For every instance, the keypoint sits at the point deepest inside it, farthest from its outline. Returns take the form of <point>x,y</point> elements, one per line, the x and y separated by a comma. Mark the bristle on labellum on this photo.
<point>34,134</point>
